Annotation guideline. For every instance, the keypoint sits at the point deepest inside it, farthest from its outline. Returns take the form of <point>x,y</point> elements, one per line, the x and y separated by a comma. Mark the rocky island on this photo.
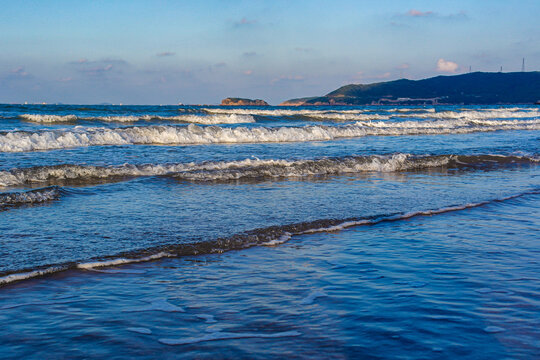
<point>468,89</point>
<point>243,102</point>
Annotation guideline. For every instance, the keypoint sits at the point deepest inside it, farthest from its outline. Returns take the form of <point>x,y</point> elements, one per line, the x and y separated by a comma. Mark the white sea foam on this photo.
<point>29,274</point>
<point>187,118</point>
<point>481,114</point>
<point>17,141</point>
<point>338,227</point>
<point>248,168</point>
<point>214,336</point>
<point>264,238</point>
<point>282,239</point>
<point>28,197</point>
<point>43,118</point>
<point>121,261</point>
<point>385,113</point>
<point>280,112</point>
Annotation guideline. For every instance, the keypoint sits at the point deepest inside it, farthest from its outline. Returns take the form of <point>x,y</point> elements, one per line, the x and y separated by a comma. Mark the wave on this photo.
<point>18,141</point>
<point>14,199</point>
<point>268,236</point>
<point>280,112</point>
<point>256,169</point>
<point>44,118</point>
<point>336,115</point>
<point>469,115</point>
<point>197,119</point>
<point>482,114</point>
<point>385,113</point>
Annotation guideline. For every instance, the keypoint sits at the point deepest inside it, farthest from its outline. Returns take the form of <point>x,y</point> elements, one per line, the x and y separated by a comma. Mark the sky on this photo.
<point>199,52</point>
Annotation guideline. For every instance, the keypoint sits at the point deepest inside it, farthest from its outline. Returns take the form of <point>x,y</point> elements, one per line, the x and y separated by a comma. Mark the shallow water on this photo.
<point>436,255</point>
<point>459,284</point>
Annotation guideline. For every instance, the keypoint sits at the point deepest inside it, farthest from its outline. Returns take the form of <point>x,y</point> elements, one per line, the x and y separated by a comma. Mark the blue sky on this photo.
<point>165,52</point>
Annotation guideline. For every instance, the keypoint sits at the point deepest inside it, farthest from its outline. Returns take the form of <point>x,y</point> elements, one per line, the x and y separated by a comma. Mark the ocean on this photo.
<point>214,232</point>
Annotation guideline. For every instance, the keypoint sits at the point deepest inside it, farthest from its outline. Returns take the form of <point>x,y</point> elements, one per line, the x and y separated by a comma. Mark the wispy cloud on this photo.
<point>113,61</point>
<point>165,54</point>
<point>243,22</point>
<point>447,66</point>
<point>19,72</point>
<point>363,76</point>
<point>419,14</point>
<point>249,54</point>
<point>97,70</point>
<point>369,77</point>
<point>248,72</point>
<point>98,67</point>
<point>385,75</point>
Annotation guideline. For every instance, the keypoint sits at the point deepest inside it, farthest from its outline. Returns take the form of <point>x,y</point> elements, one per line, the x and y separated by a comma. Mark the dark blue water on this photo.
<point>437,254</point>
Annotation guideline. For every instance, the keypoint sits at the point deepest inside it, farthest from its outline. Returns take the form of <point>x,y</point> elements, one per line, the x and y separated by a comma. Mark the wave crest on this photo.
<point>269,236</point>
<point>187,118</point>
<point>255,168</point>
<point>14,199</point>
<point>17,141</point>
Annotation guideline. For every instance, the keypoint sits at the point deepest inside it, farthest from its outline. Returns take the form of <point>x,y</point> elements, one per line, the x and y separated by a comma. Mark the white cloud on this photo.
<point>418,13</point>
<point>447,66</point>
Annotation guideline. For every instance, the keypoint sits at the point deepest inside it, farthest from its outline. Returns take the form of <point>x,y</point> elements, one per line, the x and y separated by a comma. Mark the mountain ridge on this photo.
<point>478,88</point>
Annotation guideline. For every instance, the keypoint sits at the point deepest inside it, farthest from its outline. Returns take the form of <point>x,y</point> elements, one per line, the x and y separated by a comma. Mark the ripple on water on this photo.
<point>156,305</point>
<point>214,336</point>
<point>140,330</point>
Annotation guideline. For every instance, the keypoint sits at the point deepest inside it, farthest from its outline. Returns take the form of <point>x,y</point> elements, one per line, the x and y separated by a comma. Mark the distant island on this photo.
<point>468,89</point>
<point>243,102</point>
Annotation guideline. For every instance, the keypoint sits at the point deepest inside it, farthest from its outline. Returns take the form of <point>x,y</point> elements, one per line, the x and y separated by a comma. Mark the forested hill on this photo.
<point>471,88</point>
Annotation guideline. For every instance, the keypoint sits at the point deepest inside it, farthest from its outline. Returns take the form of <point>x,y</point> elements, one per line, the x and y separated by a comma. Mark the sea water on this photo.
<point>269,232</point>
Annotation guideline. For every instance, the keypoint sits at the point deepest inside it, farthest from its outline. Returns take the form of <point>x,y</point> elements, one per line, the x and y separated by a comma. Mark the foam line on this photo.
<point>247,239</point>
<point>252,169</point>
<point>19,141</point>
<point>120,261</point>
<point>188,118</point>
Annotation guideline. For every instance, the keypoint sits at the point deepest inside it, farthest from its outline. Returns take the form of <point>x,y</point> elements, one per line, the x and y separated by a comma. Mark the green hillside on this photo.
<point>471,88</point>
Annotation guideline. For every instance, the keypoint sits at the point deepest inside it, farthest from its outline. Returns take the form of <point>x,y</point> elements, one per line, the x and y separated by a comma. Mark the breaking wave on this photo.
<point>280,112</point>
<point>268,236</point>
<point>205,120</point>
<point>385,113</point>
<point>255,168</point>
<point>482,114</point>
<point>17,141</point>
<point>14,199</point>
